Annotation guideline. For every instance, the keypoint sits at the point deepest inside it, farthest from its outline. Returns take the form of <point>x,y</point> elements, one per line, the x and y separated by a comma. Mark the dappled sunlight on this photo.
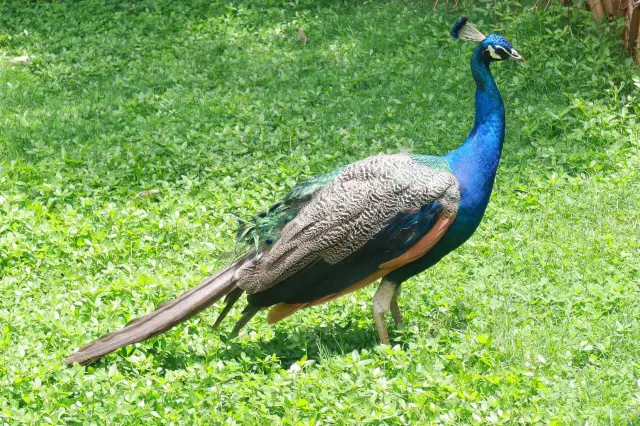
<point>217,109</point>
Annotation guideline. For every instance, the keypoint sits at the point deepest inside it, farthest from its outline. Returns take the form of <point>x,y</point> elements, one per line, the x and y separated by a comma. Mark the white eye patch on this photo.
<point>516,55</point>
<point>493,53</point>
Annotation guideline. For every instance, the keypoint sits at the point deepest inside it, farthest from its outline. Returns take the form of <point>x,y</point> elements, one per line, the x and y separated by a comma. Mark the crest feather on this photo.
<point>464,30</point>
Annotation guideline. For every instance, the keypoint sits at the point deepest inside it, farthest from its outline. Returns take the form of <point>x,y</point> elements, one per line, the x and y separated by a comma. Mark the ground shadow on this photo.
<point>287,346</point>
<point>317,343</point>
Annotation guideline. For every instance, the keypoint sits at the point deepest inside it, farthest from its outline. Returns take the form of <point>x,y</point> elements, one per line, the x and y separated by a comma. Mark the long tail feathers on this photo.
<point>168,315</point>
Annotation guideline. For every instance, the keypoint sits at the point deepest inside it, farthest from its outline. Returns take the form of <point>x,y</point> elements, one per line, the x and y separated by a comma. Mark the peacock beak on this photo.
<point>515,55</point>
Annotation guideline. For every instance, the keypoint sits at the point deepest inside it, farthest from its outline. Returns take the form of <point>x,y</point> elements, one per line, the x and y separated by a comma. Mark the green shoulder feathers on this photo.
<point>265,227</point>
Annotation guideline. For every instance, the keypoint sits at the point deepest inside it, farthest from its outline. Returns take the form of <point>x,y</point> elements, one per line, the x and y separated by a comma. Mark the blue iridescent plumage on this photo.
<point>474,163</point>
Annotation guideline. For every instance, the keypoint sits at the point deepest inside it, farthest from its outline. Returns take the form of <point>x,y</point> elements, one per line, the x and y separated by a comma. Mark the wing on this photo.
<point>373,212</point>
<point>321,279</point>
<point>265,227</point>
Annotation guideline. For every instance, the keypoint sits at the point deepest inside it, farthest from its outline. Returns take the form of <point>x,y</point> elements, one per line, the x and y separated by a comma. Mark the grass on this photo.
<point>534,321</point>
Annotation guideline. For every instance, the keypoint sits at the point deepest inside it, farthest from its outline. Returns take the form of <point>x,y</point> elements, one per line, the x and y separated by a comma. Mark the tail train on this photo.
<point>168,315</point>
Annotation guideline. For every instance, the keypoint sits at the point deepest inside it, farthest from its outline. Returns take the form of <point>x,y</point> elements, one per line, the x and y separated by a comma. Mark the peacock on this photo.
<point>385,217</point>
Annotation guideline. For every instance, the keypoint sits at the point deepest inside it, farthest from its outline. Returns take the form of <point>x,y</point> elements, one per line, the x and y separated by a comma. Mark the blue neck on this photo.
<point>475,162</point>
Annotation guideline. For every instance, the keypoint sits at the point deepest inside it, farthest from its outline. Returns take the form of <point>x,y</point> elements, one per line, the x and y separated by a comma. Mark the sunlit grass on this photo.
<point>534,320</point>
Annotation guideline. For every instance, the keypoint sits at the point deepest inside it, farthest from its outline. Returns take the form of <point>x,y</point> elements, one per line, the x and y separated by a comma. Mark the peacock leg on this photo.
<point>395,310</point>
<point>230,300</point>
<point>382,302</point>
<point>247,314</point>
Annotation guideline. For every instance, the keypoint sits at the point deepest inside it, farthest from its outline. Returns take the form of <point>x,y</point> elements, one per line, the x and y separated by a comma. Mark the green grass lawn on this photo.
<point>536,320</point>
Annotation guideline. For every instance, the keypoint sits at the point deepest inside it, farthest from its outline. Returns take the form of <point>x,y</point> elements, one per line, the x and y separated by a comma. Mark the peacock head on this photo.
<point>492,48</point>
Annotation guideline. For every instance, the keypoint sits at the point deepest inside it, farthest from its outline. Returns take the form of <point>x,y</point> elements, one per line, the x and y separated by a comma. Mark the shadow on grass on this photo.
<point>287,347</point>
<point>316,343</point>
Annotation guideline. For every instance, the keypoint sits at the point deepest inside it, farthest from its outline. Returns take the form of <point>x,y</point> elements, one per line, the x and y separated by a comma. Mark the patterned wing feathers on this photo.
<point>283,310</point>
<point>347,213</point>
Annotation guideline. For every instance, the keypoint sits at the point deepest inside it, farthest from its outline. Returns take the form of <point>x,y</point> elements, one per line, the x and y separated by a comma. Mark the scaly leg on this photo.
<point>382,303</point>
<point>247,314</point>
<point>395,310</point>
<point>230,300</point>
